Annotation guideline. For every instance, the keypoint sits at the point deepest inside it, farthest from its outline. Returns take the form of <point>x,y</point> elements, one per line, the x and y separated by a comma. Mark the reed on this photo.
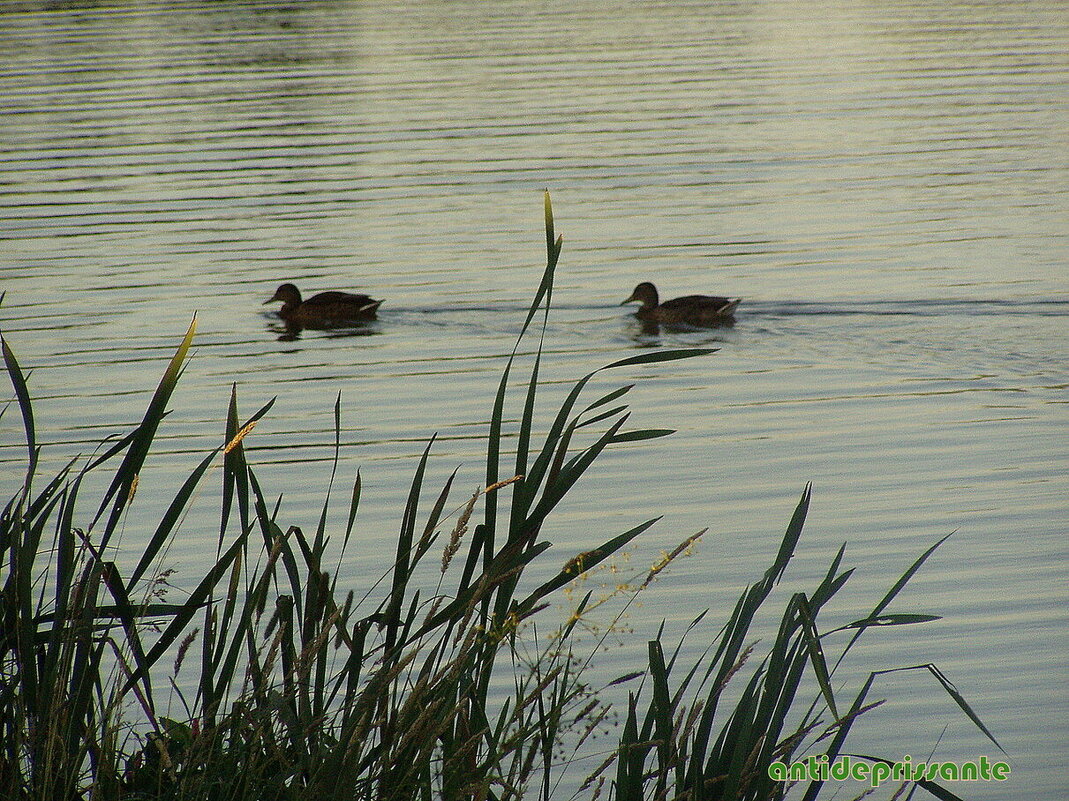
<point>306,690</point>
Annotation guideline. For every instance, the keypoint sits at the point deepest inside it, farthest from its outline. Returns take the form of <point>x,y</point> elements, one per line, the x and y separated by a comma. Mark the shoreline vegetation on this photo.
<point>304,689</point>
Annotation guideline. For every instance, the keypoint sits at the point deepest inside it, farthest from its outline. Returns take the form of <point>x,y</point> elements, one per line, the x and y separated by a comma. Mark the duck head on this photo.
<point>646,294</point>
<point>288,294</point>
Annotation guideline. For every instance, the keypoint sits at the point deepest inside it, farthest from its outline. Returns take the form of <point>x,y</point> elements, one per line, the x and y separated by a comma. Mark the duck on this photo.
<point>324,308</point>
<point>689,309</point>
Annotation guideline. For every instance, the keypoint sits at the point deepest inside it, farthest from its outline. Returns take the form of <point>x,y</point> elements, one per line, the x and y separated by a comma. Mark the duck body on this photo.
<point>689,309</point>
<point>324,308</point>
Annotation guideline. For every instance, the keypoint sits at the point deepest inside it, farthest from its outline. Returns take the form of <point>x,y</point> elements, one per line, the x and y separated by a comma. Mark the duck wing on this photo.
<point>335,298</point>
<point>701,304</point>
<point>336,307</point>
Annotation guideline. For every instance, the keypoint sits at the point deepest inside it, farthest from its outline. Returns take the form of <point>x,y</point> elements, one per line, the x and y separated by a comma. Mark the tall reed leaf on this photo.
<point>18,381</point>
<point>126,476</point>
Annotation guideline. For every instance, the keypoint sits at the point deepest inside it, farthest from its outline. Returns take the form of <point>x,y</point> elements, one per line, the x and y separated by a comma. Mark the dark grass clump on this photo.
<point>412,690</point>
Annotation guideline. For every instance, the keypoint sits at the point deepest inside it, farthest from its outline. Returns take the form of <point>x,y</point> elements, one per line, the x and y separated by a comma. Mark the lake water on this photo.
<point>886,185</point>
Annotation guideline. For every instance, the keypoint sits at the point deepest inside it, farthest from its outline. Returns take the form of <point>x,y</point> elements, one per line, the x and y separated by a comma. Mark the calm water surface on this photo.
<point>887,185</point>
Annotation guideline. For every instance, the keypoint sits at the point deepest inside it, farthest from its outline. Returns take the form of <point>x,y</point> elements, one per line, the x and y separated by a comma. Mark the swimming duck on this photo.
<point>325,308</point>
<point>690,309</point>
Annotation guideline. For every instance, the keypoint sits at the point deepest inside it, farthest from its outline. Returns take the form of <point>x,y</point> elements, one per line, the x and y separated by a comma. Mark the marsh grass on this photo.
<point>303,689</point>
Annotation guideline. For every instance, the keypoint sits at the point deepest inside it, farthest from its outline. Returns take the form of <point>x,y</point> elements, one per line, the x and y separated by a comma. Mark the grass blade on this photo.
<point>18,381</point>
<point>581,563</point>
<point>119,492</point>
<point>816,652</point>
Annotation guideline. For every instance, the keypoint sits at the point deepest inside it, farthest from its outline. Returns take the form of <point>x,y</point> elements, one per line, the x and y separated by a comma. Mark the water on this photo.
<point>885,185</point>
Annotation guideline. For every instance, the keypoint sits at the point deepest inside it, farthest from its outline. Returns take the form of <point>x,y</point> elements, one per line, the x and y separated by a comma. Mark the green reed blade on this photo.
<point>510,558</point>
<point>841,733</point>
<point>642,434</point>
<point>235,465</point>
<point>582,563</point>
<point>119,492</point>
<point>354,503</point>
<point>739,739</point>
<point>563,445</point>
<point>66,567</point>
<point>554,440</point>
<point>609,397</point>
<point>34,520</point>
<point>493,450</point>
<point>832,583</point>
<point>774,718</point>
<point>118,446</point>
<point>127,615</point>
<point>401,570</point>
<point>575,617</point>
<point>292,567</point>
<point>630,759</point>
<point>656,357</point>
<point>233,629</point>
<point>677,697</point>
<point>889,620</point>
<point>829,587</point>
<point>196,600</point>
<point>547,206</point>
<point>18,382</point>
<point>104,611</point>
<point>233,471</point>
<point>523,436</point>
<point>538,471</point>
<point>615,410</point>
<point>320,538</point>
<point>959,699</point>
<point>816,652</point>
<point>893,592</point>
<point>790,538</point>
<point>568,476</point>
<point>493,475</point>
<point>427,538</point>
<point>84,671</point>
<point>940,792</point>
<point>170,519</point>
<point>661,708</point>
<point>521,494</point>
<point>730,649</point>
<point>904,579</point>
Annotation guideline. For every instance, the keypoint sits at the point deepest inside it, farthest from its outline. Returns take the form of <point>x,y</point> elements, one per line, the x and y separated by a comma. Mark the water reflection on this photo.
<point>652,334</point>
<point>290,331</point>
